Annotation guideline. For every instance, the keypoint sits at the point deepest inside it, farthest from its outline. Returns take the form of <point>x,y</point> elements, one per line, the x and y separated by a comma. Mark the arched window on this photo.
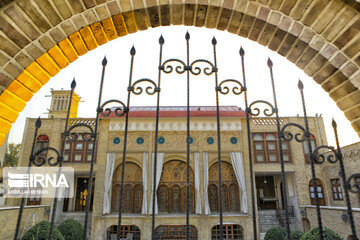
<point>42,141</point>
<point>320,191</point>
<point>171,193</point>
<point>229,188</point>
<point>230,231</point>
<point>175,232</point>
<point>126,232</point>
<point>133,189</point>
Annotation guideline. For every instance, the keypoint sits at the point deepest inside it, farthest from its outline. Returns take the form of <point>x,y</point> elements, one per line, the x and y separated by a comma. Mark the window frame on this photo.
<point>42,141</point>
<point>125,229</point>
<point>313,143</point>
<point>338,188</point>
<point>73,151</point>
<point>133,184</point>
<point>170,231</point>
<point>181,184</point>
<point>225,185</point>
<point>36,197</point>
<point>227,229</point>
<point>266,152</point>
<point>322,201</point>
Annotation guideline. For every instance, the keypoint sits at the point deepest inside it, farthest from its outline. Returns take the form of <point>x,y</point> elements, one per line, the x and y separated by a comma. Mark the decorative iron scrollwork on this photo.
<point>119,111</point>
<point>86,136</point>
<point>38,159</point>
<point>207,70</point>
<point>268,111</point>
<point>355,188</point>
<point>150,90</point>
<point>167,68</point>
<point>288,136</point>
<point>237,90</point>
<point>317,157</point>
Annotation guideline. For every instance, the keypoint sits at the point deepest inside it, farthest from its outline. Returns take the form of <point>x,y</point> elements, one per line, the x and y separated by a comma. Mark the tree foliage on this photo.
<point>71,229</point>
<point>41,231</point>
<point>276,233</point>
<point>12,155</point>
<point>315,234</point>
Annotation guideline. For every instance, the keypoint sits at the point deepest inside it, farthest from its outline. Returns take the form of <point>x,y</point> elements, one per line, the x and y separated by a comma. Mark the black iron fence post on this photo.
<point>308,137</point>
<point>248,110</point>
<point>283,177</point>
<point>339,156</point>
<point>160,68</point>
<point>187,37</point>
<point>127,110</point>
<point>93,157</point>
<point>31,159</point>
<point>217,89</point>
<point>62,149</point>
<point>287,136</point>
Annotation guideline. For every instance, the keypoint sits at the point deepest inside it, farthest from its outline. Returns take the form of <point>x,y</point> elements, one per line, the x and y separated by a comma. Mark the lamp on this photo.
<point>345,217</point>
<point>303,212</point>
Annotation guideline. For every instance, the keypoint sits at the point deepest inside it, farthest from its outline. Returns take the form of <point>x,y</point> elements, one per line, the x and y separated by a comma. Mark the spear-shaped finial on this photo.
<point>161,40</point>
<point>269,63</point>
<point>300,85</point>
<point>242,52</point>
<point>187,36</point>
<point>38,123</point>
<point>333,123</point>
<point>104,61</point>
<point>132,51</point>
<point>213,41</point>
<point>73,83</point>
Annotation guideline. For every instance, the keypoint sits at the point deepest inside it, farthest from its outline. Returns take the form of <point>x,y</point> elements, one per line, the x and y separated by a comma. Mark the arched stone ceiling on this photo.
<point>40,37</point>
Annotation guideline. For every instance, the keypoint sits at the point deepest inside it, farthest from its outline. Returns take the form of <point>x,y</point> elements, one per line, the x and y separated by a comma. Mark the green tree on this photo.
<point>12,155</point>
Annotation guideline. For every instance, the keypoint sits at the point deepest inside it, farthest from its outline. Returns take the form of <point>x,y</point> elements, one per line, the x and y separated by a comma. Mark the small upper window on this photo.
<point>336,189</point>
<point>307,151</point>
<point>266,148</point>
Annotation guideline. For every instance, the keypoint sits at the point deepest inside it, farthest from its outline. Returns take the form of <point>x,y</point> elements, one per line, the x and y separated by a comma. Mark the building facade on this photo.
<point>170,198</point>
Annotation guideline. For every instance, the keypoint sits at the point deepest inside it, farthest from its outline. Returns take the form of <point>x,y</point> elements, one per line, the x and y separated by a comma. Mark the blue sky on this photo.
<point>87,71</point>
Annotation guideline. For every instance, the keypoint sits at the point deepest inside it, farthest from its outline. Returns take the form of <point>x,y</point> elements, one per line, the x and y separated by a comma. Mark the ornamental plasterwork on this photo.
<point>195,125</point>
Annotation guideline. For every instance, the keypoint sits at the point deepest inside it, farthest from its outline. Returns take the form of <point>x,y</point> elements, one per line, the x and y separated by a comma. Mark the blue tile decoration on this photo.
<point>116,140</point>
<point>139,140</point>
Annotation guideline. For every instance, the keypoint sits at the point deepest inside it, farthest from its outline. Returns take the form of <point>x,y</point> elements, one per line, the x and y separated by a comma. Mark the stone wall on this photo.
<point>331,218</point>
<point>8,219</point>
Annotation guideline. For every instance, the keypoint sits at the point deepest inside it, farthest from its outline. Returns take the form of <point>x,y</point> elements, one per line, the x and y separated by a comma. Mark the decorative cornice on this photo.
<point>116,125</point>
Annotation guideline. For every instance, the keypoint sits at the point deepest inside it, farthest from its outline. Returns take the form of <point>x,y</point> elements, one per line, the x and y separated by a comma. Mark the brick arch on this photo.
<point>39,38</point>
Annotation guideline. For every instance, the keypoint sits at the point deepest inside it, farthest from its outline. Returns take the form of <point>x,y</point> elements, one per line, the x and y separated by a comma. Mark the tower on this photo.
<point>60,103</point>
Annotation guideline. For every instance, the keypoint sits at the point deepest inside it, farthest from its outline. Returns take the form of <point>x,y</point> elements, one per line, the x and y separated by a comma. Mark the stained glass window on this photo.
<point>133,189</point>
<point>229,188</point>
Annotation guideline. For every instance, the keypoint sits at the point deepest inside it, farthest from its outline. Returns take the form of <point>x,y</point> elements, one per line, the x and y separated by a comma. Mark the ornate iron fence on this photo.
<point>223,87</point>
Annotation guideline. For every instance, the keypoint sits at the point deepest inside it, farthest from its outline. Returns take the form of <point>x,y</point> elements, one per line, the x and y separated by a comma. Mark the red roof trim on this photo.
<point>145,112</point>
